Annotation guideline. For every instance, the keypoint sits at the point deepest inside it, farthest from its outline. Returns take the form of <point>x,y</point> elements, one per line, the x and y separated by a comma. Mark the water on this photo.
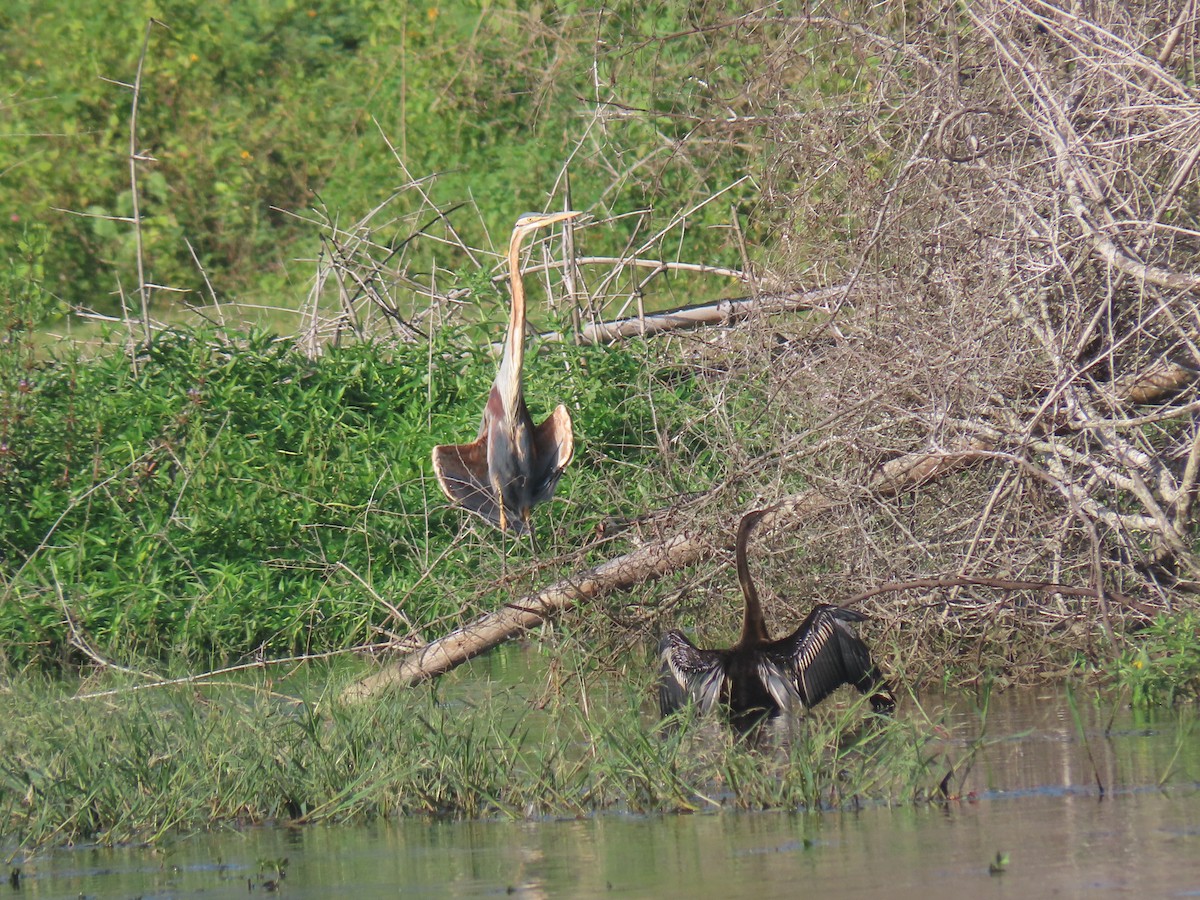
<point>1033,793</point>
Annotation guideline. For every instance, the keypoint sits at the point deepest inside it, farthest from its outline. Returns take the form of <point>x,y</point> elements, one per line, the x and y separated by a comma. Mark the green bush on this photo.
<point>219,495</point>
<point>257,111</point>
<point>1162,665</point>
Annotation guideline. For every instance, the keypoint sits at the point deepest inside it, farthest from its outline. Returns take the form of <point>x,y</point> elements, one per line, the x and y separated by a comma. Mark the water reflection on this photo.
<point>1076,807</point>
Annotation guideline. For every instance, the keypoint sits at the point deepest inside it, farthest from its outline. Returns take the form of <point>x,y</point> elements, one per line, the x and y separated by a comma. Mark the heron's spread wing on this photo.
<point>823,654</point>
<point>687,672</point>
<point>553,447</point>
<point>462,472</point>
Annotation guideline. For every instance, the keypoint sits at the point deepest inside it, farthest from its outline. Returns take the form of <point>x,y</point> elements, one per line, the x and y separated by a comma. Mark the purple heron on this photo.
<point>759,677</point>
<point>512,465</point>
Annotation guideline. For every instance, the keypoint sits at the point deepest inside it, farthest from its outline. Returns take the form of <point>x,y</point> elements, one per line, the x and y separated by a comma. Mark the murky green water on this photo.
<point>1034,793</point>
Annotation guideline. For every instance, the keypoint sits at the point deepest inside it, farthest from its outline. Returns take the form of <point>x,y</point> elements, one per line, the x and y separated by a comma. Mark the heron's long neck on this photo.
<point>754,629</point>
<point>509,377</point>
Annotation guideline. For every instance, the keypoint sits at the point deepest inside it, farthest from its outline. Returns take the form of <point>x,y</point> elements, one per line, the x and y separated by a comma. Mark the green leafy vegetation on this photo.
<point>220,494</point>
<point>1162,664</point>
<point>256,114</point>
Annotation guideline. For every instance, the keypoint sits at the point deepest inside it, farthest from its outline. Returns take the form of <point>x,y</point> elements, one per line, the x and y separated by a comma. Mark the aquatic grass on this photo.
<point>838,754</point>
<point>833,758</point>
<point>1185,737</point>
<point>649,768</point>
<point>1082,732</point>
<point>462,765</point>
<point>138,764</point>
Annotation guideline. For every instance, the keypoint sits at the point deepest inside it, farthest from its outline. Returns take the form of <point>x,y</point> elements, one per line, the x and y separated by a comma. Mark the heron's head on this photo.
<point>529,222</point>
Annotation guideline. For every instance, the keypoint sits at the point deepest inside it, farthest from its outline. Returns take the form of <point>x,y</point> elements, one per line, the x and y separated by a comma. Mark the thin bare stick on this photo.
<point>134,158</point>
<point>640,262</point>
<point>207,677</point>
<point>1185,13</point>
<point>720,313</point>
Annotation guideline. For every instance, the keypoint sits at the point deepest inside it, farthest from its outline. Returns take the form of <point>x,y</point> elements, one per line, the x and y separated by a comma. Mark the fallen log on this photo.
<point>1160,380</point>
<point>647,563</point>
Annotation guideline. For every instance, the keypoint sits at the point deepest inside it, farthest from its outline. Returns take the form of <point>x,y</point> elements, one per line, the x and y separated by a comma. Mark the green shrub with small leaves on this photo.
<point>1162,664</point>
<point>251,115</point>
<point>219,494</point>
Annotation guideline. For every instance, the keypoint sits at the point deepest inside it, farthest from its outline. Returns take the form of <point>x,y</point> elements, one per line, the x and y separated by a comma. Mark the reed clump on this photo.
<point>129,765</point>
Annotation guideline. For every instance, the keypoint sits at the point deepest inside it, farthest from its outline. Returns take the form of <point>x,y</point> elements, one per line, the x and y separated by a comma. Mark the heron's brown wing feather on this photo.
<point>462,473</point>
<point>553,447</point>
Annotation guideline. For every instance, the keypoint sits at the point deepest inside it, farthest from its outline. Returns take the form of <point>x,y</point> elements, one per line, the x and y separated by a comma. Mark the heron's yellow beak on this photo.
<point>529,221</point>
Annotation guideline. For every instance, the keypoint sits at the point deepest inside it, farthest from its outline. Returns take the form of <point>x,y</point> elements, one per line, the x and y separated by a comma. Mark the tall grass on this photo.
<point>135,764</point>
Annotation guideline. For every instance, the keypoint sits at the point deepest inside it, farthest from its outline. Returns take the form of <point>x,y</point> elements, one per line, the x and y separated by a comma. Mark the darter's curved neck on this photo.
<point>754,628</point>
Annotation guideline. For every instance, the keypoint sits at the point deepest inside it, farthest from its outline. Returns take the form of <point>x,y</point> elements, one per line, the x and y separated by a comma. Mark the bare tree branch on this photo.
<point>646,563</point>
